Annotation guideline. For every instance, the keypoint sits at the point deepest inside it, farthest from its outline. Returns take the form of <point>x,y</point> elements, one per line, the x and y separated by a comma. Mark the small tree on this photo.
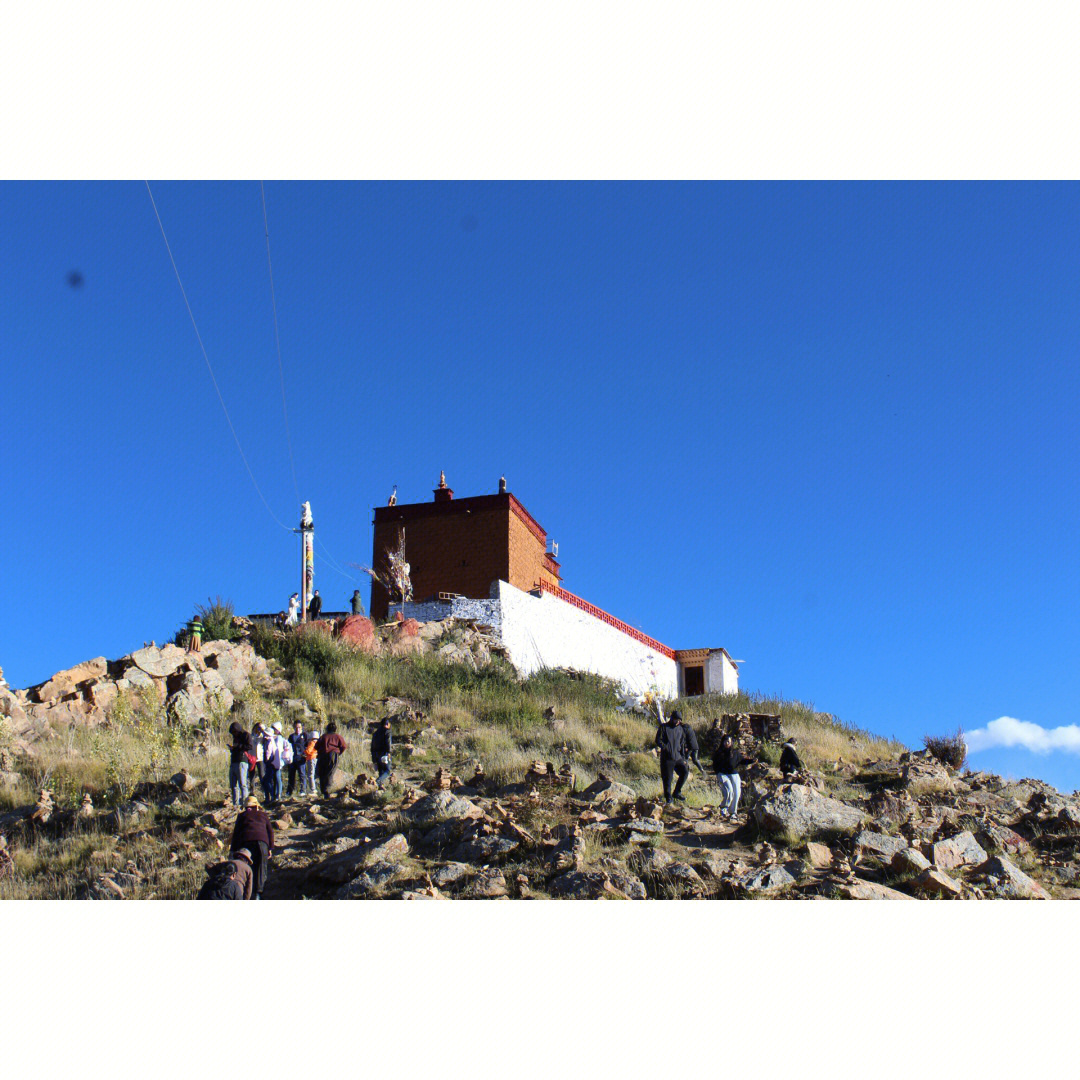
<point>395,577</point>
<point>217,619</point>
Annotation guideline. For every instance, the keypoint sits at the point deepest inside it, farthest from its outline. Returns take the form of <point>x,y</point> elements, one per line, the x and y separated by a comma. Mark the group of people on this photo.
<point>309,757</point>
<point>314,609</point>
<point>678,746</point>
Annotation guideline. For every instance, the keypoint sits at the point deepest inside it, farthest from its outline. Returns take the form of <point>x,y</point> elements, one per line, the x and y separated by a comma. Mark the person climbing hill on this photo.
<point>254,831</point>
<point>330,747</point>
<point>674,747</point>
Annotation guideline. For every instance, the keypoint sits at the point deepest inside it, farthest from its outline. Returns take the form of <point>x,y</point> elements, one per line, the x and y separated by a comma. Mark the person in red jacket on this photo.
<point>254,832</point>
<point>330,747</point>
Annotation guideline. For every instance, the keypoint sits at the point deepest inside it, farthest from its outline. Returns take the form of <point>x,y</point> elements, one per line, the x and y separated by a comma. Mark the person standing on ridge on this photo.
<point>293,616</point>
<point>381,743</point>
<point>673,745</point>
<point>330,747</point>
<point>357,603</point>
<point>254,831</point>
<point>195,633</point>
<point>315,607</point>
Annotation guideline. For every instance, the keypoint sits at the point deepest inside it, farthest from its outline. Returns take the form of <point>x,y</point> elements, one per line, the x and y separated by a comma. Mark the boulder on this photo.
<point>910,860</point>
<point>65,682</point>
<point>959,850</point>
<point>798,810</point>
<point>392,847</point>
<point>936,883</point>
<point>768,879</point>
<point>451,873</point>
<point>442,806</point>
<point>604,790</point>
<point>488,885</point>
<point>869,890</point>
<point>1010,881</point>
<point>342,866</point>
<point>161,663</point>
<point>1002,838</point>
<point>230,666</point>
<point>819,856</point>
<point>374,877</point>
<point>879,845</point>
<point>482,849</point>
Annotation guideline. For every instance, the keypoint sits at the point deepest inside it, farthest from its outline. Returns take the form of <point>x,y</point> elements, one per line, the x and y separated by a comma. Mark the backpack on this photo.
<point>216,886</point>
<point>287,753</point>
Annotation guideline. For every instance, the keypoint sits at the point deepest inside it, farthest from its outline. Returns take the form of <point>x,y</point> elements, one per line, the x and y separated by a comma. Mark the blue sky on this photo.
<point>830,427</point>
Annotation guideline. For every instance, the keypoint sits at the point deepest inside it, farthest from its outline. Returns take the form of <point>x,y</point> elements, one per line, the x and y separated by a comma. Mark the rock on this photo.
<point>819,856</point>
<point>798,810</point>
<point>442,806</point>
<point>959,850</point>
<point>182,781</point>
<point>869,890</point>
<point>767,880</point>
<point>604,790</point>
<point>391,848</point>
<point>449,832</point>
<point>65,682</point>
<point>342,866</point>
<point>229,666</point>
<point>879,845</point>
<point>1010,881</point>
<point>161,663</point>
<point>482,849</point>
<point>934,882</point>
<point>374,877</point>
<point>488,885</point>
<point>103,694</point>
<point>1002,838</point>
<point>452,873</point>
<point>910,860</point>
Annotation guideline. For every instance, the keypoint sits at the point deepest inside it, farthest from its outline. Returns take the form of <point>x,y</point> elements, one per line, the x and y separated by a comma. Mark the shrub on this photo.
<point>950,750</point>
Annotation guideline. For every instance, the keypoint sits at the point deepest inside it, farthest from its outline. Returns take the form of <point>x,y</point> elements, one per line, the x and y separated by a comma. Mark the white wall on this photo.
<point>721,675</point>
<point>544,631</point>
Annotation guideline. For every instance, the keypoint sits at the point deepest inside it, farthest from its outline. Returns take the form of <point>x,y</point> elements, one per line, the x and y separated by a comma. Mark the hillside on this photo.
<point>113,784</point>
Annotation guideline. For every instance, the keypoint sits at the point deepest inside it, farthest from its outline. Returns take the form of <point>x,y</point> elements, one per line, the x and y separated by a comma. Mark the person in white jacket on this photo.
<point>293,616</point>
<point>274,757</point>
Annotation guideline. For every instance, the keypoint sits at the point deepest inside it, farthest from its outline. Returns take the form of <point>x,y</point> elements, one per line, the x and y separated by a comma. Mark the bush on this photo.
<point>217,619</point>
<point>950,750</point>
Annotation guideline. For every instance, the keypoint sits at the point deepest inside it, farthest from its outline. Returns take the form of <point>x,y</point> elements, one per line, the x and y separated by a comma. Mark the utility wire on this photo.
<point>277,341</point>
<point>209,367</point>
<point>333,564</point>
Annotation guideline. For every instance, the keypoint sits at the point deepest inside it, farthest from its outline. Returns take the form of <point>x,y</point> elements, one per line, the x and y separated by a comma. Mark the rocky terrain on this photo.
<point>114,786</point>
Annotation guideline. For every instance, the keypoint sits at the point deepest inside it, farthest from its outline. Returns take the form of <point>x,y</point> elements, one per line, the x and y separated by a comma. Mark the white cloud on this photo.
<point>1007,732</point>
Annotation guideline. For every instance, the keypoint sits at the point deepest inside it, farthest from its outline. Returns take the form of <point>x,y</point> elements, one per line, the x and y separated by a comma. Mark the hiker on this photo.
<point>221,883</point>
<point>254,832</point>
<point>294,610</point>
<point>789,759</point>
<point>692,747</point>
<point>673,744</point>
<point>258,741</point>
<point>381,742</point>
<point>195,632</point>
<point>726,762</point>
<point>307,777</point>
<point>239,762</point>
<point>357,603</point>
<point>297,744</point>
<point>245,873</point>
<point>273,759</point>
<point>315,607</point>
<point>330,747</point>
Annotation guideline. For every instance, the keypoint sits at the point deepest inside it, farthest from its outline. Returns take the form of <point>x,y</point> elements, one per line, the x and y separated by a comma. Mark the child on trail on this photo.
<point>311,753</point>
<point>195,632</point>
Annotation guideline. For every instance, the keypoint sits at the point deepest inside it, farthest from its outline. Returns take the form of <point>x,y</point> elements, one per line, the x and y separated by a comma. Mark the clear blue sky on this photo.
<point>832,428</point>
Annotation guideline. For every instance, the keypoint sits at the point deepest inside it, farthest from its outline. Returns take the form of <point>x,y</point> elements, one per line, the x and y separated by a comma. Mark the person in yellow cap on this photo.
<point>254,832</point>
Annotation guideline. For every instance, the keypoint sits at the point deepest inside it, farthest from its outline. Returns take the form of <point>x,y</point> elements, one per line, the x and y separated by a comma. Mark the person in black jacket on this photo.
<point>255,832</point>
<point>314,607</point>
<point>789,759</point>
<point>239,749</point>
<point>221,883</point>
<point>381,742</point>
<point>692,747</point>
<point>674,748</point>
<point>726,762</point>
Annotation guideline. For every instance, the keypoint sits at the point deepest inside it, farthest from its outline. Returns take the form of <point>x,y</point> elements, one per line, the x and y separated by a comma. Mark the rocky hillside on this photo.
<point>114,786</point>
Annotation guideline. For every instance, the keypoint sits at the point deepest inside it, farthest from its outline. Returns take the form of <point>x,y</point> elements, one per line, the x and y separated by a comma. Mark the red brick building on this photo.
<point>462,546</point>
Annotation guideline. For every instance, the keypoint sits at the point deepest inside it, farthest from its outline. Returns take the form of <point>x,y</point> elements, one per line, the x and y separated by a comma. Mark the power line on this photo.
<point>333,564</point>
<point>209,367</point>
<point>277,341</point>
